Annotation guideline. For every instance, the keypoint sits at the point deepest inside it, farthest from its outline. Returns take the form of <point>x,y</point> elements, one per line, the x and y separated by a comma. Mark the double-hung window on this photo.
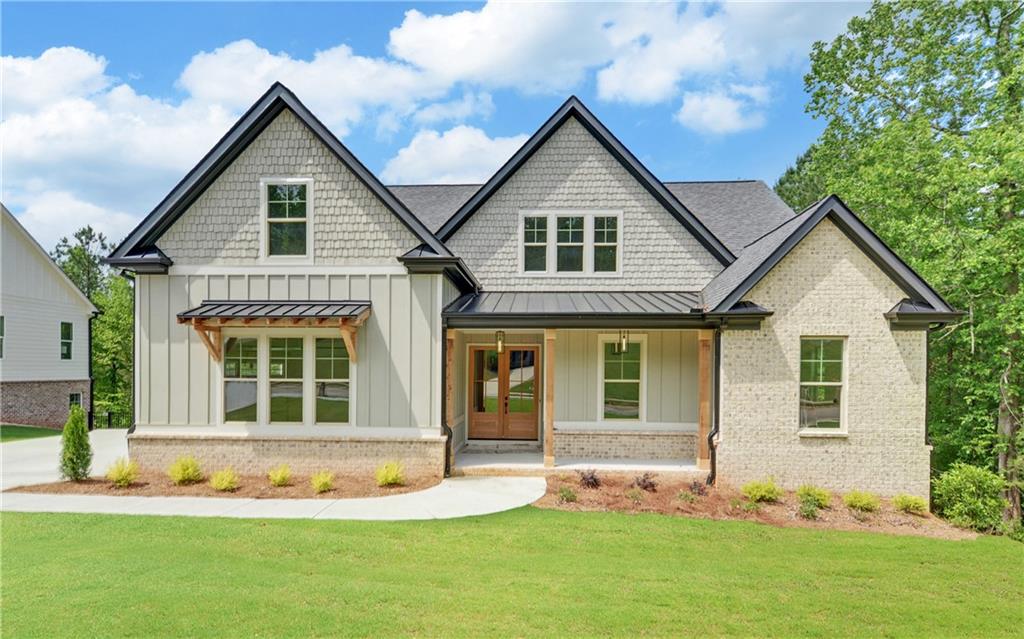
<point>66,339</point>
<point>1,336</point>
<point>287,218</point>
<point>621,380</point>
<point>286,396</point>
<point>332,381</point>
<point>240,371</point>
<point>821,383</point>
<point>571,243</point>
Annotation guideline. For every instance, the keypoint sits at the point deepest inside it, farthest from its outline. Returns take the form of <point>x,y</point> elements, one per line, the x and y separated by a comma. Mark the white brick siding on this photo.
<point>826,286</point>
<point>351,225</point>
<point>573,171</point>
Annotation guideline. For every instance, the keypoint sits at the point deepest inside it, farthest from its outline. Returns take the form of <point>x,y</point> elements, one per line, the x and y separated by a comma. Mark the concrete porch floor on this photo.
<point>532,464</point>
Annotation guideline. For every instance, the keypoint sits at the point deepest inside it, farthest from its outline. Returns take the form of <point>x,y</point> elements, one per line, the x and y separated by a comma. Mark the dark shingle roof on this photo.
<point>434,203</point>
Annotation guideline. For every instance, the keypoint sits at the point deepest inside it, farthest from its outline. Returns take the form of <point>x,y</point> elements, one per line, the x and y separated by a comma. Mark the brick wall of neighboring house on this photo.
<point>255,455</point>
<point>826,286</point>
<point>350,224</point>
<point>44,403</point>
<point>681,446</point>
<point>573,171</point>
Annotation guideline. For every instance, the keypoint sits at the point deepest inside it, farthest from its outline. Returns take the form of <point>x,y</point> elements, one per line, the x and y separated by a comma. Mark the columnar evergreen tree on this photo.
<point>75,450</point>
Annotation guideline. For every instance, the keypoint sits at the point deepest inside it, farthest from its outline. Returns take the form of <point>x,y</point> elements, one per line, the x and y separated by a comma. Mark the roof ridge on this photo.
<point>391,186</point>
<point>779,226</point>
<point>737,181</point>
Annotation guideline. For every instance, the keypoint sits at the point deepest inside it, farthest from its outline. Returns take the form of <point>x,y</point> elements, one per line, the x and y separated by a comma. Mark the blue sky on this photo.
<point>106,106</point>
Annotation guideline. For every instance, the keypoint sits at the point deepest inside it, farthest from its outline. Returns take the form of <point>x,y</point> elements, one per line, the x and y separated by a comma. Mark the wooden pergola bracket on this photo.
<point>348,334</point>
<point>210,336</point>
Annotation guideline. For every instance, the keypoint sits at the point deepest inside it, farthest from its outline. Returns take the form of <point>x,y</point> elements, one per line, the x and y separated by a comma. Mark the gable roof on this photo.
<point>434,203</point>
<point>31,241</point>
<point>278,98</point>
<point>759,257</point>
<point>573,108</point>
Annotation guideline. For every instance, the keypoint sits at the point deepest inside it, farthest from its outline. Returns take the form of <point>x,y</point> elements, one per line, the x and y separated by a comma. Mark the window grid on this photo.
<point>66,339</point>
<point>286,385</point>
<point>821,383</point>
<point>621,381</point>
<point>569,243</point>
<point>606,244</point>
<point>286,219</point>
<point>241,366</point>
<point>535,243</point>
<point>331,379</point>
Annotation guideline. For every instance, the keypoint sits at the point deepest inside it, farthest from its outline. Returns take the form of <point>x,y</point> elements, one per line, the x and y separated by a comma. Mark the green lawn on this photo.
<point>527,572</point>
<point>12,433</point>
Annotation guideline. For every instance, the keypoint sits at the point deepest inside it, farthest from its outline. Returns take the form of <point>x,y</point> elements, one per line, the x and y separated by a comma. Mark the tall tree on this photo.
<point>800,187</point>
<point>82,259</point>
<point>924,103</point>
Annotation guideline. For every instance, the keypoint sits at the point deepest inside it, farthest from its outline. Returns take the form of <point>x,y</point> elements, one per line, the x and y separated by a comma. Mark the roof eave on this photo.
<point>453,267</point>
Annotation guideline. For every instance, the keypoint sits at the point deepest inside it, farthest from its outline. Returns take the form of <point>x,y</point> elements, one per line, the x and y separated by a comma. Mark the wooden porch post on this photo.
<point>704,377</point>
<point>449,385</point>
<point>549,397</point>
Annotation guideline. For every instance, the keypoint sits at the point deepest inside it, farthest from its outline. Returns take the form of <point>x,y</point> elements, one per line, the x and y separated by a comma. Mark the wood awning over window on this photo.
<point>208,318</point>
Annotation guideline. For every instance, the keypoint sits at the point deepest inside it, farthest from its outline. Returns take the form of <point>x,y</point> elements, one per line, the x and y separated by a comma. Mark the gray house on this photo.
<point>573,309</point>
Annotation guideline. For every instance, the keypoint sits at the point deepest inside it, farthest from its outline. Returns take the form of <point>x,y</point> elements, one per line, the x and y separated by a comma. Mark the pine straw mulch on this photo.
<point>724,502</point>
<point>152,484</point>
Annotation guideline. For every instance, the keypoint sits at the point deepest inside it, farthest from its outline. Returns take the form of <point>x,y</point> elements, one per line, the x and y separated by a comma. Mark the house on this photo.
<point>45,334</point>
<point>291,308</point>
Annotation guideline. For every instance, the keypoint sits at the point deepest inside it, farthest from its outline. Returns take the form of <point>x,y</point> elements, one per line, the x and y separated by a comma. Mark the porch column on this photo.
<point>549,397</point>
<point>704,376</point>
<point>449,385</point>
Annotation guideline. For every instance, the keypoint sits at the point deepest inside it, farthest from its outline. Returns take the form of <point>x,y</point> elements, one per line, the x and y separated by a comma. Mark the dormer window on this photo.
<point>571,243</point>
<point>287,217</point>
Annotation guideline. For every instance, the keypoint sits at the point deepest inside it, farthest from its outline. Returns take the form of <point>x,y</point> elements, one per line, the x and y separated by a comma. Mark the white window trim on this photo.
<point>588,216</point>
<point>263,379</point>
<point>61,340</point>
<point>3,335</point>
<point>265,255</point>
<point>316,380</point>
<point>842,431</point>
<point>603,339</point>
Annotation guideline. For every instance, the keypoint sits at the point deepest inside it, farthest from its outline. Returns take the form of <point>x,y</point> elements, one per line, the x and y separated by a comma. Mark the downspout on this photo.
<point>714,411</point>
<point>448,433</point>
<point>92,383</point>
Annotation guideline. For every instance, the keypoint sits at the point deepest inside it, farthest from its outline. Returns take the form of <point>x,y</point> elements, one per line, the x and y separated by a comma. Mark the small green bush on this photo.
<point>391,474</point>
<point>225,480</point>
<point>322,481</point>
<point>635,495</point>
<point>75,449</point>
<point>762,491</point>
<point>910,504</point>
<point>280,476</point>
<point>808,508</point>
<point>185,470</point>
<point>861,501</point>
<point>820,497</point>
<point>751,507</point>
<point>566,495</point>
<point>123,472</point>
<point>1015,530</point>
<point>686,496</point>
<point>970,497</point>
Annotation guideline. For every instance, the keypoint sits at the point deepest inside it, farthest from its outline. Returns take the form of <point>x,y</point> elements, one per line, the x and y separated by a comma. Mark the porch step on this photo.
<point>500,446</point>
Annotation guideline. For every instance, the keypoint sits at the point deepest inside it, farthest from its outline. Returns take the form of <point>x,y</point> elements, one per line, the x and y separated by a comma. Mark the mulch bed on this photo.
<point>724,502</point>
<point>249,486</point>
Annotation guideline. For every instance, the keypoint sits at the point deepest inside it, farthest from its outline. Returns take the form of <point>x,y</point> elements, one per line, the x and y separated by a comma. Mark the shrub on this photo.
<point>123,472</point>
<point>322,481</point>
<point>910,504</point>
<point>758,491</point>
<point>185,470</point>
<point>225,480</point>
<point>280,476</point>
<point>645,482</point>
<point>1015,530</point>
<point>75,449</point>
<point>820,497</point>
<point>391,474</point>
<point>970,497</point>
<point>566,494</point>
<point>635,495</point>
<point>751,507</point>
<point>687,496</point>
<point>862,502</point>
<point>698,488</point>
<point>589,478</point>
<point>808,508</point>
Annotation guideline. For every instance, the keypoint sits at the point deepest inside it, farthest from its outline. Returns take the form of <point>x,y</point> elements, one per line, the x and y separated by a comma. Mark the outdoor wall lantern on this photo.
<point>499,337</point>
<point>623,344</point>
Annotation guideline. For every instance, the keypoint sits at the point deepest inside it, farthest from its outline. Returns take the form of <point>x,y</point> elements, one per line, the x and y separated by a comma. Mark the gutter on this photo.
<point>713,433</point>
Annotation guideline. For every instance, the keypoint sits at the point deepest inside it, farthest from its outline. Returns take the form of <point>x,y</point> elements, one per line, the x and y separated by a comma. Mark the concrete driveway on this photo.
<point>35,461</point>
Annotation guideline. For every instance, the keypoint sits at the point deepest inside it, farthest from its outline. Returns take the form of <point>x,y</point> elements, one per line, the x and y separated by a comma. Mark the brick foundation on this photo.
<point>608,444</point>
<point>40,403</point>
<point>255,455</point>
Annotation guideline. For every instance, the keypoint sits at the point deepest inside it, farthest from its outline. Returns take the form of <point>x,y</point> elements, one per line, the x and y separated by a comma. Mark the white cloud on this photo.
<point>461,155</point>
<point>47,217</point>
<point>59,73</point>
<point>757,93</point>
<point>471,104</point>
<point>717,113</point>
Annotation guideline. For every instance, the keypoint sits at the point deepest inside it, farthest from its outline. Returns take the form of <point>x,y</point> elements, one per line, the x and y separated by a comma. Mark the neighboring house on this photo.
<point>291,308</point>
<point>45,334</point>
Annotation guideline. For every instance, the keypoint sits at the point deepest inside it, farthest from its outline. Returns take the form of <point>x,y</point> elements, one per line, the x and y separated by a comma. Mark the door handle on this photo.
<point>506,404</point>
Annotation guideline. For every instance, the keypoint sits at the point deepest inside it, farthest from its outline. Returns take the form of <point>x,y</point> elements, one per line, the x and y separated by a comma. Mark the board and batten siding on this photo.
<point>397,381</point>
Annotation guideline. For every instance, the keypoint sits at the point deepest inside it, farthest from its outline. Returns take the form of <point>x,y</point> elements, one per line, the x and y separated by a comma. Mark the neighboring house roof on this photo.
<point>270,309</point>
<point>31,241</point>
<point>143,238</point>
<point>727,289</point>
<point>573,108</point>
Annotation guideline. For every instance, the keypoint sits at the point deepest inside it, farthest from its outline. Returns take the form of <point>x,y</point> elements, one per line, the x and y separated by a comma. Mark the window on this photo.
<point>585,243</point>
<point>332,381</point>
<point>1,336</point>
<point>240,366</point>
<point>287,217</point>
<point>821,382</point>
<point>66,338</point>
<point>74,399</point>
<point>621,380</point>
<point>285,379</point>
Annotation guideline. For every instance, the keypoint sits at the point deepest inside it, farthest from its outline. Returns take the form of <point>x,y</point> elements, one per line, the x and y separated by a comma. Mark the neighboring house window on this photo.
<point>240,366</point>
<point>621,379</point>
<point>288,208</point>
<point>285,379</point>
<point>1,336</point>
<point>821,382</point>
<point>66,338</point>
<point>332,381</point>
<point>585,243</point>
<point>74,399</point>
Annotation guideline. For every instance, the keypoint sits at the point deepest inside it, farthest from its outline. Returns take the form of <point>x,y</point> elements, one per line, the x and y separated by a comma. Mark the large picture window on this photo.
<point>821,383</point>
<point>240,370</point>
<point>562,243</point>
<point>287,219</point>
<point>622,380</point>
<point>67,338</point>
<point>285,379</point>
<point>332,381</point>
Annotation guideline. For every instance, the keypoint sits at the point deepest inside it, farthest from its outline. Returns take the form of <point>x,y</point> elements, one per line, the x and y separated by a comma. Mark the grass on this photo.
<point>12,433</point>
<point>561,574</point>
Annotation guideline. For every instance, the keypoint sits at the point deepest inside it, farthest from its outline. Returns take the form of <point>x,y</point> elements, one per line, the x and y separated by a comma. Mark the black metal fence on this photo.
<point>112,419</point>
